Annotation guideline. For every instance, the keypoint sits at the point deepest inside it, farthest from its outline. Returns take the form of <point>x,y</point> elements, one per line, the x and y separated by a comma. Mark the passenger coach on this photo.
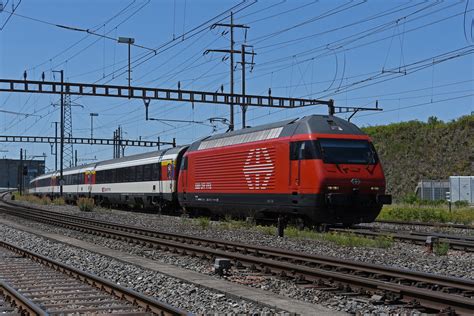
<point>141,180</point>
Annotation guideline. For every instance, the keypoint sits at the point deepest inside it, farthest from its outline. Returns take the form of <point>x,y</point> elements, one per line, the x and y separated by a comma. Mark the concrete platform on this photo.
<point>230,289</point>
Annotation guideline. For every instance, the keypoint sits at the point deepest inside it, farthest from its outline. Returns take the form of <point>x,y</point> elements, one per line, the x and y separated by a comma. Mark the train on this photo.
<point>318,169</point>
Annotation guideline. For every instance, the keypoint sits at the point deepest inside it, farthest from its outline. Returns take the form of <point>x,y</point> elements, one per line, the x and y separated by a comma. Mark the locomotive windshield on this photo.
<point>347,151</point>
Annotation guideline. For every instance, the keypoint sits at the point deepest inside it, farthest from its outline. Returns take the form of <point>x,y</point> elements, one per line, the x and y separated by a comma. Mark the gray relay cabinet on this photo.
<point>462,188</point>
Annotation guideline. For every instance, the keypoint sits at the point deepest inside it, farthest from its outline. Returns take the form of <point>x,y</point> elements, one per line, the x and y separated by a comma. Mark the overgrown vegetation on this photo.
<point>58,201</point>
<point>229,223</point>
<point>267,230</point>
<point>341,239</point>
<point>427,213</point>
<point>441,248</point>
<point>204,222</point>
<point>31,198</point>
<point>86,204</point>
<point>414,150</point>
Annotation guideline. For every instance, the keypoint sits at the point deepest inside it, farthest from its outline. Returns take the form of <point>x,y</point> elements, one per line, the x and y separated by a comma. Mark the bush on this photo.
<point>229,223</point>
<point>410,198</point>
<point>59,201</point>
<point>266,230</point>
<point>204,222</point>
<point>86,204</point>
<point>44,200</point>
<point>461,203</point>
<point>441,248</point>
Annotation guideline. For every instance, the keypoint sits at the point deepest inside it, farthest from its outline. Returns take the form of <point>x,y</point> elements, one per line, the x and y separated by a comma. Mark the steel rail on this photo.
<point>137,299</point>
<point>463,243</point>
<point>433,291</point>
<point>19,301</point>
<point>446,225</point>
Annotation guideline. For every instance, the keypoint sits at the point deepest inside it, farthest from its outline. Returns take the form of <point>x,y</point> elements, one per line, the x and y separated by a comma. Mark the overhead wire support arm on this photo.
<point>354,110</point>
<point>146,94</point>
<point>83,141</point>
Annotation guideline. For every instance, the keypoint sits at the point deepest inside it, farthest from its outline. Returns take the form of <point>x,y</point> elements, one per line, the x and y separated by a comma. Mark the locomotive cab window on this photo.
<point>348,151</point>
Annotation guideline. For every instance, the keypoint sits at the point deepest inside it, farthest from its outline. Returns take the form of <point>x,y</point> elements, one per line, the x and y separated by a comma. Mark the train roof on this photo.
<point>312,124</point>
<point>151,154</point>
<point>142,156</point>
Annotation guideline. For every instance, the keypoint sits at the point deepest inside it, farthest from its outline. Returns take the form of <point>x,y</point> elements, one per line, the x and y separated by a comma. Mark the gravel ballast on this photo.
<point>172,291</point>
<point>399,255</point>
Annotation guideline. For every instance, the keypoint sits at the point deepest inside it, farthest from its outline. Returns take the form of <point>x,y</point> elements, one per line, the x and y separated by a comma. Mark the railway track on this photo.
<point>36,285</point>
<point>434,292</point>
<point>457,242</point>
<point>444,225</point>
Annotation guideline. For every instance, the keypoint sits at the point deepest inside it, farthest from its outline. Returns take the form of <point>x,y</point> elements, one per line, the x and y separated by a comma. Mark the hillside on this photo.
<point>416,150</point>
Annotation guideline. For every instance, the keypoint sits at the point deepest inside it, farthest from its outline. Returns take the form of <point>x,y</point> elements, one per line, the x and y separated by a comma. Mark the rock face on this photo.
<point>411,151</point>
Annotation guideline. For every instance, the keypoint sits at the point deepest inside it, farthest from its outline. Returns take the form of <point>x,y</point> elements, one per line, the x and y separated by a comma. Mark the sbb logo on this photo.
<point>258,169</point>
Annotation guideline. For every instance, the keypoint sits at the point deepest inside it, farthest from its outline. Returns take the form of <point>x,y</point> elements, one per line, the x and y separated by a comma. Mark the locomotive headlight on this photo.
<point>333,188</point>
<point>374,188</point>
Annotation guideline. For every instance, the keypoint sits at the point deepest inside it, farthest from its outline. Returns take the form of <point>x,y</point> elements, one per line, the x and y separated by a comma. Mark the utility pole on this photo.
<point>129,41</point>
<point>243,63</point>
<point>92,123</point>
<point>61,154</point>
<point>231,52</point>
<point>115,145</point>
<point>21,172</point>
<point>56,146</point>
<point>232,71</point>
<point>61,163</point>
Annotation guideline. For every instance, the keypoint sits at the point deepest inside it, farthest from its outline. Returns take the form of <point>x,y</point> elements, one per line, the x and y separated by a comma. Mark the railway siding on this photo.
<point>432,297</point>
<point>40,285</point>
<point>234,291</point>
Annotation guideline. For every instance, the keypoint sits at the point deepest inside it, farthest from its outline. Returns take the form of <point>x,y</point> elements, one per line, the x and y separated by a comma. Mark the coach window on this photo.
<point>139,173</point>
<point>147,172</point>
<point>132,175</point>
<point>156,171</point>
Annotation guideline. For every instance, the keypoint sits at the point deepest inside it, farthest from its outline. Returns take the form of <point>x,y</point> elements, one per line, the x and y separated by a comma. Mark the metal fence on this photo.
<point>457,188</point>
<point>432,190</point>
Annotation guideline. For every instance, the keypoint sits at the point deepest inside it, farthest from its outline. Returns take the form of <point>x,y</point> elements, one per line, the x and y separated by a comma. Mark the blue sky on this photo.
<point>415,57</point>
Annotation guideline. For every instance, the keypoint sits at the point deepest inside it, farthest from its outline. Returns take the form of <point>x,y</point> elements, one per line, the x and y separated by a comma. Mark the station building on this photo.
<point>12,170</point>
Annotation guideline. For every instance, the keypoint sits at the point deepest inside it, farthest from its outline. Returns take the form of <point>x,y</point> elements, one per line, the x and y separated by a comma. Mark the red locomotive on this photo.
<point>317,169</point>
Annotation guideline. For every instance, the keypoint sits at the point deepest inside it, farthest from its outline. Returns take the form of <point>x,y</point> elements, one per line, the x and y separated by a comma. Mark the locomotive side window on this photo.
<point>184,163</point>
<point>307,149</point>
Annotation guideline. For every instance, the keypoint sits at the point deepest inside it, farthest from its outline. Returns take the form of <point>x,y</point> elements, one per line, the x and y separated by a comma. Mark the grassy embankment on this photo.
<point>414,150</point>
<point>428,213</point>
